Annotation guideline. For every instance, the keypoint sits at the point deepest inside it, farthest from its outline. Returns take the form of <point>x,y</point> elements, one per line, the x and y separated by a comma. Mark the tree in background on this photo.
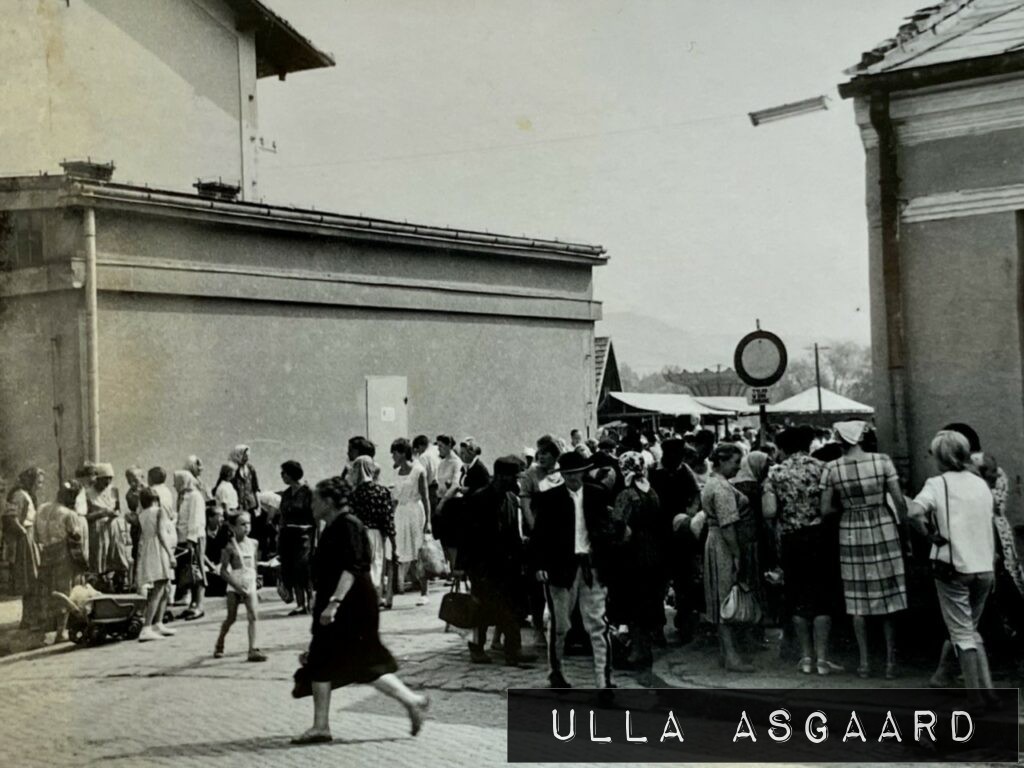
<point>845,369</point>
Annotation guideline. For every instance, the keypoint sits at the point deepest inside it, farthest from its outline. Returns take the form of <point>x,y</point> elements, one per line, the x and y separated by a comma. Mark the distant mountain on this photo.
<point>648,344</point>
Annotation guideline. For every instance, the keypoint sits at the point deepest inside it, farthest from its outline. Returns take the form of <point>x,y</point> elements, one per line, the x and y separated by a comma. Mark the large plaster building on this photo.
<point>143,321</point>
<point>941,113</point>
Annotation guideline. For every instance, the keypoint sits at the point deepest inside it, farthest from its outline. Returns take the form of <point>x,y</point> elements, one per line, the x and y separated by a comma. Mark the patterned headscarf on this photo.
<point>634,470</point>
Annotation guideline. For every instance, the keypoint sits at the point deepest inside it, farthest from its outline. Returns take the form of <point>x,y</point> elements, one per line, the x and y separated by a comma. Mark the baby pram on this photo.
<point>94,617</point>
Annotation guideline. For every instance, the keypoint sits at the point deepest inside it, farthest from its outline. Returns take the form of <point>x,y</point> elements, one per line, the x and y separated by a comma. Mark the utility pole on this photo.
<point>817,375</point>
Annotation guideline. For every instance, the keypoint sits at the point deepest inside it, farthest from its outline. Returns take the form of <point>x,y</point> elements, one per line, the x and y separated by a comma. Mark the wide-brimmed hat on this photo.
<point>572,462</point>
<point>104,470</point>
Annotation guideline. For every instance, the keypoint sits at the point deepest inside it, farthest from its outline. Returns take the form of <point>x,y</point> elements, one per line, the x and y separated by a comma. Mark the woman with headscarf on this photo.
<point>247,486</point>
<point>195,466</point>
<point>19,543</point>
<point>61,560</point>
<point>644,575</point>
<point>109,539</point>
<point>295,536</point>
<point>224,493</point>
<point>372,504</point>
<point>192,533</point>
<point>725,566</point>
<point>346,646</point>
<point>870,552</point>
<point>751,530</point>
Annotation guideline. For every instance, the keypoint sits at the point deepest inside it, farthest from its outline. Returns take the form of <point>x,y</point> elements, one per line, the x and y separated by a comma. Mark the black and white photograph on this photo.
<point>380,379</point>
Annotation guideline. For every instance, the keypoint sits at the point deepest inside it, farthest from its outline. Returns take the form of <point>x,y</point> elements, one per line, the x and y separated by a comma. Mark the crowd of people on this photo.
<point>582,541</point>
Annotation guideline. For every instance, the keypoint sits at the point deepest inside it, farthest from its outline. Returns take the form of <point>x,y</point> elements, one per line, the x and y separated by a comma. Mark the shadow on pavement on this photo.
<point>236,746</point>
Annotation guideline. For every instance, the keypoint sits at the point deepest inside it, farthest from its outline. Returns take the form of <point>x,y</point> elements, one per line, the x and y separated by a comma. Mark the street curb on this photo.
<point>37,653</point>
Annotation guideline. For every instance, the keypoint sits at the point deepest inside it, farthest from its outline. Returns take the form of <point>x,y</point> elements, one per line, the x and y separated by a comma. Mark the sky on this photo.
<point>622,123</point>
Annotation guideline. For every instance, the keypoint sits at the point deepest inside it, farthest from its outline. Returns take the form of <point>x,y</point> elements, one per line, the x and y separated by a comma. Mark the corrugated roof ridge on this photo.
<point>924,20</point>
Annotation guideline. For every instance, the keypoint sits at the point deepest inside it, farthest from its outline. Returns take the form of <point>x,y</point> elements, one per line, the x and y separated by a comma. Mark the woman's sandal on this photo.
<point>312,737</point>
<point>826,668</point>
<point>864,672</point>
<point>806,665</point>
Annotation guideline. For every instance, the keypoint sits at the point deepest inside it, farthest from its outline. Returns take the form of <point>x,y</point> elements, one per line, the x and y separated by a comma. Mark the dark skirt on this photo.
<point>810,562</point>
<point>23,558</point>
<point>295,553</point>
<point>349,650</point>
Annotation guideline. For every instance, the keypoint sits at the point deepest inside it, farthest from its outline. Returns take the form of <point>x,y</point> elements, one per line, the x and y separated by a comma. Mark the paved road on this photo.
<point>170,703</point>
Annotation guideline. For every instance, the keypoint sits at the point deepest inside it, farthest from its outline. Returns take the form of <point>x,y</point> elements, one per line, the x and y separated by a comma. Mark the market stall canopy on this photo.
<point>673,405</point>
<point>807,402</point>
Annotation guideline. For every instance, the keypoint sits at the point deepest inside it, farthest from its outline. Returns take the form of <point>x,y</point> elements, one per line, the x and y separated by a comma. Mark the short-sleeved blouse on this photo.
<point>371,503</point>
<point>796,484</point>
<point>723,504</point>
<point>861,482</point>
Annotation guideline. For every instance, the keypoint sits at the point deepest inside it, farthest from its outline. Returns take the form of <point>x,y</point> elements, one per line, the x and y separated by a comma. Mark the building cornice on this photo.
<point>968,202</point>
<point>950,111</point>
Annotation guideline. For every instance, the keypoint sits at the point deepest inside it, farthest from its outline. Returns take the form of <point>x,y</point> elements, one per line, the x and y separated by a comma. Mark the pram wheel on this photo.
<point>134,628</point>
<point>77,632</point>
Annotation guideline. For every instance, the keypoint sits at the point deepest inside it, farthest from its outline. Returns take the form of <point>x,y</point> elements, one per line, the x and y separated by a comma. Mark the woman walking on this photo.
<point>954,511</point>
<point>372,504</point>
<point>61,558</point>
<point>870,553</point>
<point>644,571</point>
<point>19,543</point>
<point>346,646</point>
<point>295,539</point>
<point>411,505</point>
<point>727,513</point>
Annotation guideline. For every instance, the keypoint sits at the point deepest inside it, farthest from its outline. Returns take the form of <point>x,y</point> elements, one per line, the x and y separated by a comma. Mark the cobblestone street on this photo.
<point>172,703</point>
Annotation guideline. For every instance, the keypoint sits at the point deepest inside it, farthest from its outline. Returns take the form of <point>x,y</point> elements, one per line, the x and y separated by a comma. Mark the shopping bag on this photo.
<point>431,558</point>
<point>740,606</point>
<point>460,609</point>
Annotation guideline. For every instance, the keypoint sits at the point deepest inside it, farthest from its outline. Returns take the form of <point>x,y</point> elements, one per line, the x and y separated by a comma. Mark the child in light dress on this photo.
<point>154,568</point>
<point>238,563</point>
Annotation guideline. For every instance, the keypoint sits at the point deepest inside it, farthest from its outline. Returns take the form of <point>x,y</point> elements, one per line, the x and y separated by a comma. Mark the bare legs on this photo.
<point>860,630</point>
<point>390,685</point>
<point>234,599</point>
<point>156,603</point>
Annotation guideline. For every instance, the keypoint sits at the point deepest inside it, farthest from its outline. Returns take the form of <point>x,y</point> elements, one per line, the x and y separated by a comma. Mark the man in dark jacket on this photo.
<point>570,550</point>
<point>492,555</point>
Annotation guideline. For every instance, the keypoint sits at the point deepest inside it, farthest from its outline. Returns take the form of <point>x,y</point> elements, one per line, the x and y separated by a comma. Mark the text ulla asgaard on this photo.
<point>780,731</point>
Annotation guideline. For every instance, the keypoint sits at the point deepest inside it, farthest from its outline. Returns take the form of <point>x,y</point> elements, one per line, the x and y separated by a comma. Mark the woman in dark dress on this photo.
<point>295,537</point>
<point>346,647</point>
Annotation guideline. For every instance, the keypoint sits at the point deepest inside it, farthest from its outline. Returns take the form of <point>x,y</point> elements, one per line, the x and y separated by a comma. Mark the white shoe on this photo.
<point>149,633</point>
<point>423,600</point>
<point>165,630</point>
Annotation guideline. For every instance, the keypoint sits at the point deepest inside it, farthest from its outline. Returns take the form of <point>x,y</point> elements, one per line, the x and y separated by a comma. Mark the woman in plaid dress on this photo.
<point>870,553</point>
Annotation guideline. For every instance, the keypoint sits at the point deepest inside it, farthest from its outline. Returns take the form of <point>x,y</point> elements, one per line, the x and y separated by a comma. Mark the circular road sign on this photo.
<point>760,358</point>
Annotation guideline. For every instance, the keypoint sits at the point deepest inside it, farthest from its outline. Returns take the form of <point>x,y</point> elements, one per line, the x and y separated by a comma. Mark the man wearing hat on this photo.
<point>492,556</point>
<point>570,549</point>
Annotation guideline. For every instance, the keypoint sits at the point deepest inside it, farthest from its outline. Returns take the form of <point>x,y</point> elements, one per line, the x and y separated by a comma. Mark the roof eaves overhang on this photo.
<point>280,48</point>
<point>72,193</point>
<point>913,78</point>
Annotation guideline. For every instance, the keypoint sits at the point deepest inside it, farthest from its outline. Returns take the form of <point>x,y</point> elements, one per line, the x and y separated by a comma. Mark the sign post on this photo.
<point>760,361</point>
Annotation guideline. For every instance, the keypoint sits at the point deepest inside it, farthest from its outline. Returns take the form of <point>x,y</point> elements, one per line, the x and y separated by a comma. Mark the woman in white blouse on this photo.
<point>954,511</point>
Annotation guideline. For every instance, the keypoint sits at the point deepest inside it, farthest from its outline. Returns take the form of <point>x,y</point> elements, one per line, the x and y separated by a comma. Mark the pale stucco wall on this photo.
<point>182,375</point>
<point>35,377</point>
<point>160,87</point>
<point>961,299</point>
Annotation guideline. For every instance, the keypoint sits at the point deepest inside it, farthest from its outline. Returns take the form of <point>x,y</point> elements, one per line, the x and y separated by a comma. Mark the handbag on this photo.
<point>431,558</point>
<point>460,609</point>
<point>284,592</point>
<point>941,570</point>
<point>740,606</point>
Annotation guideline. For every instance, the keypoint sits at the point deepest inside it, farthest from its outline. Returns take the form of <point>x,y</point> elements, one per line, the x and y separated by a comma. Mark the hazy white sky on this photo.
<point>614,122</point>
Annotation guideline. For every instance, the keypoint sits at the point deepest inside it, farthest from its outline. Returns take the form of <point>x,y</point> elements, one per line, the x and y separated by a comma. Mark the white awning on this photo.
<point>669,405</point>
<point>807,402</point>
